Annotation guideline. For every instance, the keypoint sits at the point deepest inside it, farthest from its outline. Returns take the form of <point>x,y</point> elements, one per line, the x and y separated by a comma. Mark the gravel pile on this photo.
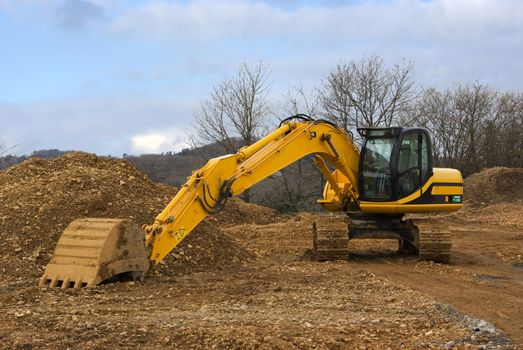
<point>41,197</point>
<point>494,185</point>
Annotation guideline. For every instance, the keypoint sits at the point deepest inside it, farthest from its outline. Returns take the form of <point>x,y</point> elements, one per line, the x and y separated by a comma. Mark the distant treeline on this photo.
<point>472,125</point>
<point>7,160</point>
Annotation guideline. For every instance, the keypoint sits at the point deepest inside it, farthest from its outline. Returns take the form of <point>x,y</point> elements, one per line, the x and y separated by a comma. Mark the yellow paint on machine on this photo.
<point>447,190</point>
<point>208,188</point>
<point>440,176</point>
<point>394,208</point>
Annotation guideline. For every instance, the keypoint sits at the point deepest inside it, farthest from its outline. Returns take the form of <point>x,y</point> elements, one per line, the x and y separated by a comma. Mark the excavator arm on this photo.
<point>208,188</point>
<point>91,251</point>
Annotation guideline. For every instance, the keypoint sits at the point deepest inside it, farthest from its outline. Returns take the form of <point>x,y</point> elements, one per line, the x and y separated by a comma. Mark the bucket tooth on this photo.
<point>43,281</point>
<point>91,251</point>
<point>65,282</point>
<point>54,282</point>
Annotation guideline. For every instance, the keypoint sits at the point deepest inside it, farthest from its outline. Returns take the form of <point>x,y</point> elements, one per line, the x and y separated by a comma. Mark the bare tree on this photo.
<point>236,111</point>
<point>465,123</point>
<point>476,103</point>
<point>297,101</point>
<point>503,132</point>
<point>6,150</point>
<point>439,114</point>
<point>367,93</point>
<point>335,103</point>
<point>299,182</point>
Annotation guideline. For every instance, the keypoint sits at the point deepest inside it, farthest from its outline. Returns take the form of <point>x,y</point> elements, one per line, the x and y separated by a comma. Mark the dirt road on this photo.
<point>277,300</point>
<point>485,278</point>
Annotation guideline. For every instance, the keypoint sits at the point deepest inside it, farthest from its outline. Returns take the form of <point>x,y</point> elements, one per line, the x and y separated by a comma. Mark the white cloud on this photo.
<point>149,143</point>
<point>105,125</point>
<point>447,40</point>
<point>173,139</point>
<point>208,20</point>
<point>198,43</point>
<point>202,20</point>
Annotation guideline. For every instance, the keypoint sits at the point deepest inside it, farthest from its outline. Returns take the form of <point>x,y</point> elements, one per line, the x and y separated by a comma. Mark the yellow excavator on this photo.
<point>392,175</point>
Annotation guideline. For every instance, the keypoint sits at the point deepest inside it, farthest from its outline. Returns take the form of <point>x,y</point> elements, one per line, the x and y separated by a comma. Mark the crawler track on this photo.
<point>417,237</point>
<point>330,240</point>
<point>434,242</point>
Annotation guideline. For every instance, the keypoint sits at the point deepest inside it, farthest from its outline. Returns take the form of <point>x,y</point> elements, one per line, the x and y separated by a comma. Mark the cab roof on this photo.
<point>392,131</point>
<point>380,132</point>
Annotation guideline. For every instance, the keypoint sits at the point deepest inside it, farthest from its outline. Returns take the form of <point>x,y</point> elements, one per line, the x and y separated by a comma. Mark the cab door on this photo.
<point>413,163</point>
<point>375,178</point>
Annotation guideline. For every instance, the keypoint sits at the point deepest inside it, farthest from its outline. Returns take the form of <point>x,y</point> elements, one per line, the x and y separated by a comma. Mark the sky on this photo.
<point>126,76</point>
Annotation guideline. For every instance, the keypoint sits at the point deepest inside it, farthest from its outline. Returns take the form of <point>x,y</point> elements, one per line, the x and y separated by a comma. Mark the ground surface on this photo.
<point>280,299</point>
<point>244,279</point>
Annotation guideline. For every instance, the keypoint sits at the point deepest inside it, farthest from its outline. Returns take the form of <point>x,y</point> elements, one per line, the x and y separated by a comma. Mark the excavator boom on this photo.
<point>209,187</point>
<point>93,250</point>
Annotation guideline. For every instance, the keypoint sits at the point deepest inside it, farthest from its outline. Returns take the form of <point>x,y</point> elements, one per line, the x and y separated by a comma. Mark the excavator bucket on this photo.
<point>91,251</point>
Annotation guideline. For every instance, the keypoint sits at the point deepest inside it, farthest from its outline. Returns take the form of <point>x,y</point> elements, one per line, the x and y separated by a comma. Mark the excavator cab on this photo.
<point>396,174</point>
<point>394,163</point>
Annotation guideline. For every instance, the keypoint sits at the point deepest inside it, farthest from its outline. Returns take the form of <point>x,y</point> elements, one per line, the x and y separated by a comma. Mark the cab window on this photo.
<point>376,170</point>
<point>408,165</point>
<point>414,165</point>
<point>426,166</point>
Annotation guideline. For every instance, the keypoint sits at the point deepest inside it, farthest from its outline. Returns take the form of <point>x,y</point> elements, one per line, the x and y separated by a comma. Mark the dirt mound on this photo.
<point>237,212</point>
<point>503,214</point>
<point>207,247</point>
<point>495,185</point>
<point>41,197</point>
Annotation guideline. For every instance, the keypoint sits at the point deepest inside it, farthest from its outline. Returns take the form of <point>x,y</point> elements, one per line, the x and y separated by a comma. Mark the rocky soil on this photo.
<point>495,185</point>
<point>41,197</point>
<point>242,280</point>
